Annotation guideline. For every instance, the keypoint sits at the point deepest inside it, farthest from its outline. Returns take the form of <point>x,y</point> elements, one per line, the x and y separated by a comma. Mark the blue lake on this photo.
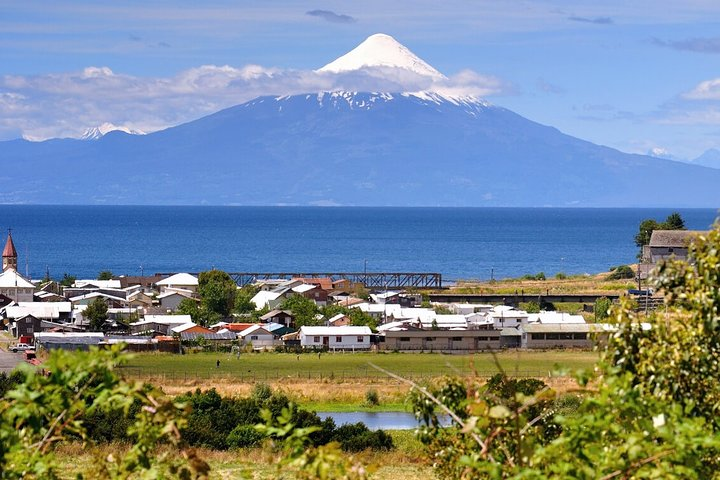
<point>378,420</point>
<point>459,243</point>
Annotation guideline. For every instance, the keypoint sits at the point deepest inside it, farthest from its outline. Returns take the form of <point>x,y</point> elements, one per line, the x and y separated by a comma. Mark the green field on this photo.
<point>252,367</point>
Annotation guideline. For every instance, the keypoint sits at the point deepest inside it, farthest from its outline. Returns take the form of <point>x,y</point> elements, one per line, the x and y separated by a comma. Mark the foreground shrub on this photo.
<point>244,436</point>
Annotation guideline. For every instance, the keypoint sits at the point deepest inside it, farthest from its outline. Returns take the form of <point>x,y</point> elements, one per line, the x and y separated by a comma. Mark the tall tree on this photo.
<point>673,222</point>
<point>217,291</point>
<point>96,313</point>
<point>105,275</point>
<point>304,310</point>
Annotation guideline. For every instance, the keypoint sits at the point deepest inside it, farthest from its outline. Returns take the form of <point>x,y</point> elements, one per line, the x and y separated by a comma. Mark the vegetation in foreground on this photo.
<point>651,413</point>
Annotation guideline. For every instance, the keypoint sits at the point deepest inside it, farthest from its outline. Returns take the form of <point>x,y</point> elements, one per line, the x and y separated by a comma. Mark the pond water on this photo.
<point>377,420</point>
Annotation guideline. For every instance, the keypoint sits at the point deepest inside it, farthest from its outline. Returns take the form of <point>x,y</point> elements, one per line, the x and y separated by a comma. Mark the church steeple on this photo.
<point>9,255</point>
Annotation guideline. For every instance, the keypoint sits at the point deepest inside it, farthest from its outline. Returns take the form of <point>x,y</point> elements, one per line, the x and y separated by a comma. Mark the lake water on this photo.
<point>378,420</point>
<point>459,243</point>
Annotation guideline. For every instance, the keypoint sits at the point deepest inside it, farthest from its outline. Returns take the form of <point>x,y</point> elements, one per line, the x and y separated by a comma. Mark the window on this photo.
<point>429,339</point>
<point>253,337</point>
<point>457,339</point>
<point>404,339</point>
<point>316,339</point>
<point>360,339</point>
<point>580,336</point>
<point>338,339</point>
<point>552,336</point>
<point>537,336</point>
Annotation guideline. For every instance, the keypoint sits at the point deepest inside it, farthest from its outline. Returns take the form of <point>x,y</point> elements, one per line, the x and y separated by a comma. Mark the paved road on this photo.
<point>8,360</point>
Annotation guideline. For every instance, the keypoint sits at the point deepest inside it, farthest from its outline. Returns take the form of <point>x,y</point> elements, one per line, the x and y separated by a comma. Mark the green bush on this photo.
<point>358,437</point>
<point>602,308</point>
<point>372,398</point>
<point>622,272</point>
<point>532,307</point>
<point>244,436</point>
<point>560,276</point>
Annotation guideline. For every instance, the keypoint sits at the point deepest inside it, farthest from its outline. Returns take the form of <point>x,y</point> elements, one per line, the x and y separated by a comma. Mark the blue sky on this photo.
<point>631,75</point>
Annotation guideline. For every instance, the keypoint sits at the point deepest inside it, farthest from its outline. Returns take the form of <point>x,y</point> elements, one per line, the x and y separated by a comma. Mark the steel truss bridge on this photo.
<point>375,280</point>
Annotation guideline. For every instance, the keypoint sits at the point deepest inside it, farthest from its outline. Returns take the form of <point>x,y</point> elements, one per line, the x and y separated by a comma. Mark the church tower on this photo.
<point>9,255</point>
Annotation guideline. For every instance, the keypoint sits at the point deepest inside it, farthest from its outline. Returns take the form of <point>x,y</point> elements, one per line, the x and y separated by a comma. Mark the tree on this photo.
<point>96,313</point>
<point>304,310</point>
<point>243,297</point>
<point>68,280</point>
<point>651,412</point>
<point>198,313</point>
<point>41,411</point>
<point>642,238</point>
<point>105,275</point>
<point>674,222</point>
<point>217,292</point>
<point>602,308</point>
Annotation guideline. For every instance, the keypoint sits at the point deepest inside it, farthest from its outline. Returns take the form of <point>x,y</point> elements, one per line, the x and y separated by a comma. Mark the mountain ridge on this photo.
<point>316,149</point>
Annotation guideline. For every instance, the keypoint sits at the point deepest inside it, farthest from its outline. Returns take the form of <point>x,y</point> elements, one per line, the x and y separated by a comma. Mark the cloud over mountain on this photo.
<point>66,104</point>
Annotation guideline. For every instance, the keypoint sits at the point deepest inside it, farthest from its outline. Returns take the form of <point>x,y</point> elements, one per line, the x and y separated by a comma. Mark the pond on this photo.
<point>377,420</point>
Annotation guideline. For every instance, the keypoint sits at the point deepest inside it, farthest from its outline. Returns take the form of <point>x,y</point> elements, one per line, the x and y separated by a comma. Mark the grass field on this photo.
<point>340,381</point>
<point>405,462</point>
<point>252,367</point>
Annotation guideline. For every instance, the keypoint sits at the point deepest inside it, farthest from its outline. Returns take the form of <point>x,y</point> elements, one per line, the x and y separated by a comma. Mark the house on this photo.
<point>190,327</point>
<point>25,325</point>
<point>504,316</point>
<point>313,292</point>
<point>557,335</point>
<point>182,281</point>
<point>225,338</point>
<point>111,301</point>
<point>284,317</point>
<point>257,336</point>
<point>68,341</point>
<point>139,299</point>
<point>161,324</point>
<point>267,298</point>
<point>339,320</point>
<point>665,244</point>
<point>50,311</point>
<point>439,340</point>
<point>336,338</point>
<point>15,286</point>
<point>171,299</point>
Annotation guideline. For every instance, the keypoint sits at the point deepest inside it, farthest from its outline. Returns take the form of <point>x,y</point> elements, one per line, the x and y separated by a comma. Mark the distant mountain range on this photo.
<point>352,148</point>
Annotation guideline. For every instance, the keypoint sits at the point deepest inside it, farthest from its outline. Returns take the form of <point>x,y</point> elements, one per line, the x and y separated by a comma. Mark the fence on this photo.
<point>367,375</point>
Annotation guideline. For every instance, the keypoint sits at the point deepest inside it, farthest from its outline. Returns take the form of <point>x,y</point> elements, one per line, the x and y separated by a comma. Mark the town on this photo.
<point>167,312</point>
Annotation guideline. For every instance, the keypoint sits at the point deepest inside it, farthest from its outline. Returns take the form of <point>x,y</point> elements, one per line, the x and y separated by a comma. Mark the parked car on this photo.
<point>21,347</point>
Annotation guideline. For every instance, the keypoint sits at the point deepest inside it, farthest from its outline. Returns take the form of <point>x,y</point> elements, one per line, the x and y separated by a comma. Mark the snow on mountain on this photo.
<point>660,152</point>
<point>381,50</point>
<point>100,131</point>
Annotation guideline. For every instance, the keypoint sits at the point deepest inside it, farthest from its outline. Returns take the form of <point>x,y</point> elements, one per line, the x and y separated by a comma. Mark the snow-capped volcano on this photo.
<point>382,50</point>
<point>100,131</point>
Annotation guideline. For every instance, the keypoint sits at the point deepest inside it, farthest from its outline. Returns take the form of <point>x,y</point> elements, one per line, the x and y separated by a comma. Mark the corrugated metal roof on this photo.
<point>208,336</point>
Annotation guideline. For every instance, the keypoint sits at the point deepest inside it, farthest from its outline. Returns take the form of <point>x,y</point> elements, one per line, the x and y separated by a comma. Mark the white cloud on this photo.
<point>66,104</point>
<point>707,90</point>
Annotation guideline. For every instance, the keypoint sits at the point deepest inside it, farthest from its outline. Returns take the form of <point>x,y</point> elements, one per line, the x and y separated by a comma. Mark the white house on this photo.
<point>268,299</point>
<point>183,281</point>
<point>15,286</point>
<point>336,338</point>
<point>507,317</point>
<point>258,336</point>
